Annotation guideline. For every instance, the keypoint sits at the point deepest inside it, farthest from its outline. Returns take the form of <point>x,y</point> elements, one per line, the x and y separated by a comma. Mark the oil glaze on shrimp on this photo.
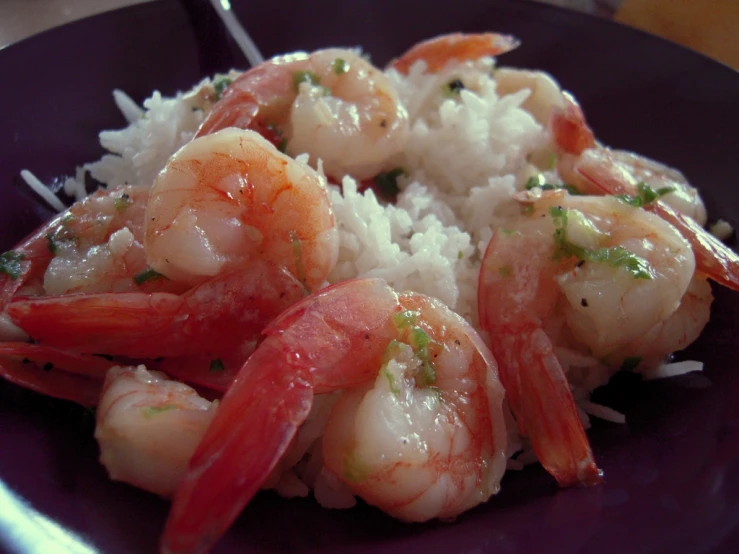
<point>148,427</point>
<point>611,272</point>
<point>331,104</point>
<point>424,368</point>
<point>227,199</point>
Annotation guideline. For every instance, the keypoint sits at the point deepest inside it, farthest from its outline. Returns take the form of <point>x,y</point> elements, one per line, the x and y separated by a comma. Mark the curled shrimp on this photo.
<point>332,104</point>
<point>615,173</point>
<point>598,170</point>
<point>425,374</point>
<point>148,428</point>
<point>227,199</point>
<point>609,273</point>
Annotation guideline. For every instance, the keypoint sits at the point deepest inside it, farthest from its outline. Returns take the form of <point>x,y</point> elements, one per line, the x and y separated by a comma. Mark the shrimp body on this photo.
<point>94,246</point>
<point>622,173</point>
<point>148,427</point>
<point>439,429</point>
<point>609,272</point>
<point>594,169</point>
<point>227,199</point>
<point>331,104</point>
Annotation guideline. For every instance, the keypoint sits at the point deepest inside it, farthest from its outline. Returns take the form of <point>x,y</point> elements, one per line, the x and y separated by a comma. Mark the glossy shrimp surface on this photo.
<point>227,199</point>
<point>94,246</point>
<point>437,52</point>
<point>425,370</point>
<point>148,428</point>
<point>608,273</point>
<point>331,104</point>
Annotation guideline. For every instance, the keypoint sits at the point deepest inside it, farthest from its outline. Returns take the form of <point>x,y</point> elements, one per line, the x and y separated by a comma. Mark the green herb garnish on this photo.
<point>221,83</point>
<point>646,195</point>
<point>10,263</point>
<point>51,243</point>
<point>305,77</point>
<point>147,275</point>
<point>388,182</point>
<point>615,256</point>
<point>122,202</point>
<point>340,66</point>
<point>452,88</point>
<point>217,365</point>
<point>535,182</point>
<point>404,319</point>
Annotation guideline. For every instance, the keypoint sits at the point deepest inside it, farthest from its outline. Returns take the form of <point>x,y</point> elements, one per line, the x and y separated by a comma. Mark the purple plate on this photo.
<point>672,472</point>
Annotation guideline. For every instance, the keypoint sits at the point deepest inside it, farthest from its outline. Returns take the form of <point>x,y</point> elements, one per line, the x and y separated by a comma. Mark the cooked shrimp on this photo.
<point>426,371</point>
<point>437,52</point>
<point>148,428</point>
<point>624,173</point>
<point>673,334</point>
<point>216,319</point>
<point>95,246</point>
<point>228,199</point>
<point>597,170</point>
<point>331,104</point>
<point>611,272</point>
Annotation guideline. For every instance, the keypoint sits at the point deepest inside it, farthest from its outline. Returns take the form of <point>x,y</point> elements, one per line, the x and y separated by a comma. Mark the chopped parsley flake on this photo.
<point>452,88</point>
<point>122,202</point>
<point>305,77</point>
<point>388,182</point>
<point>615,256</point>
<point>646,195</point>
<point>630,363</point>
<point>537,181</point>
<point>340,66</point>
<point>216,365</point>
<point>221,83</point>
<point>10,263</point>
<point>405,318</point>
<point>51,243</point>
<point>147,275</point>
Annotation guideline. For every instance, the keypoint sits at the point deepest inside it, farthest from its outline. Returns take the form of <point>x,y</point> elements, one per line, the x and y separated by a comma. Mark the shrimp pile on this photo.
<point>202,315</point>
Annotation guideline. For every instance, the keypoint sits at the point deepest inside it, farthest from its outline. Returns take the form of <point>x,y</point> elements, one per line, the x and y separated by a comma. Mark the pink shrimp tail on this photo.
<point>540,397</point>
<point>460,47</point>
<point>236,109</point>
<point>714,259</point>
<point>54,373</point>
<point>211,319</point>
<point>569,128</point>
<point>253,427</point>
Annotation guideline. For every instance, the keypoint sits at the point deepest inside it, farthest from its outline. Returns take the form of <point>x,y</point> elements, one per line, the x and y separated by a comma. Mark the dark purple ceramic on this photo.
<point>672,472</point>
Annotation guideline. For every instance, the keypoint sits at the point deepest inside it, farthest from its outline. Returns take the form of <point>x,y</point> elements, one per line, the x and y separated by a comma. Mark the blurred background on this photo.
<point>708,26</point>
